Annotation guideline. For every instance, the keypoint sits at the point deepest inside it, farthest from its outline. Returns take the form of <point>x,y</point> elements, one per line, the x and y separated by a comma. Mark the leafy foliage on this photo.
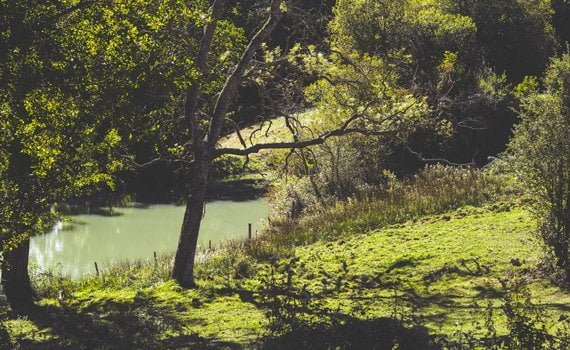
<point>364,90</point>
<point>456,49</point>
<point>541,150</point>
<point>54,144</point>
<point>517,37</point>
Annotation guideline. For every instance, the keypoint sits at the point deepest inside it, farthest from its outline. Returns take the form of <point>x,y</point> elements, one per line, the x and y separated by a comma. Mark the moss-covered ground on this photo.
<point>443,270</point>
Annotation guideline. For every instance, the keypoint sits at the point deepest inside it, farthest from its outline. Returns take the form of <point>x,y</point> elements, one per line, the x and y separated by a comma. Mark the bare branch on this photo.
<point>160,160</point>
<point>260,129</point>
<point>302,144</point>
<point>237,131</point>
<point>296,123</point>
<point>152,162</point>
<point>473,124</point>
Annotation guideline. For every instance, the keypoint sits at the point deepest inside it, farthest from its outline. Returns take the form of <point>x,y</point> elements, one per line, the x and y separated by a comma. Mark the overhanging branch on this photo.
<point>301,144</point>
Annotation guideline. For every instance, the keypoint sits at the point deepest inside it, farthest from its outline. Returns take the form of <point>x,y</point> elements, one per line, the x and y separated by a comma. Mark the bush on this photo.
<point>541,154</point>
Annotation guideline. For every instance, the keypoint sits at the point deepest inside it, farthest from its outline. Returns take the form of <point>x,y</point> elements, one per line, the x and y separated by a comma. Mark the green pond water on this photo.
<point>72,248</point>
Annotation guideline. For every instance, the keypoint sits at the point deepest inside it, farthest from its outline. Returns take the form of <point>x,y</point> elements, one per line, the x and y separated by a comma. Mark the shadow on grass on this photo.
<point>380,333</point>
<point>465,268</point>
<point>137,325</point>
<point>404,262</point>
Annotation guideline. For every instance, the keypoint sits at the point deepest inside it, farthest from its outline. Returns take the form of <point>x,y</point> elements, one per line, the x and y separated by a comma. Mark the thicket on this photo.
<point>443,54</point>
<point>540,152</point>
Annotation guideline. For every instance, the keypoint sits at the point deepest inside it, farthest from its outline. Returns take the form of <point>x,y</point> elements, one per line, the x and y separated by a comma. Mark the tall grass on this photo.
<point>122,274</point>
<point>435,190</point>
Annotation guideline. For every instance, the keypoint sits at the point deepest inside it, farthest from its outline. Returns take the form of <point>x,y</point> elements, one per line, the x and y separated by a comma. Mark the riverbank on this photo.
<point>452,267</point>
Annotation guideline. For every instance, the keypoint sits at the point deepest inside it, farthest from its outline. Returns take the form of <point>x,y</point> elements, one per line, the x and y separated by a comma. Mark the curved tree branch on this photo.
<point>229,90</point>
<point>193,92</point>
<point>301,144</point>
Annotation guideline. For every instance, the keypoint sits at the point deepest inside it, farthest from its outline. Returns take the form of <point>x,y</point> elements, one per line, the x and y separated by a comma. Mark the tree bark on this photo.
<point>183,271</point>
<point>15,277</point>
<point>203,148</point>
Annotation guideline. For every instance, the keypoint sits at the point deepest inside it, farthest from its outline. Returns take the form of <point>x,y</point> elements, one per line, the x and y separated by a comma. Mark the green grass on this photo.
<point>442,269</point>
<point>447,265</point>
<point>435,190</point>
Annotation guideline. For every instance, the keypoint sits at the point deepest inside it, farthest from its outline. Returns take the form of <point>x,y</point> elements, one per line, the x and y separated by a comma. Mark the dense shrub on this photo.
<point>465,55</point>
<point>541,154</point>
<point>344,170</point>
<point>516,36</point>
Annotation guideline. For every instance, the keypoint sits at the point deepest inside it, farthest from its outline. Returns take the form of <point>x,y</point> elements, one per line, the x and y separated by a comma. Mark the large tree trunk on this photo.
<point>184,261</point>
<point>15,277</point>
<point>203,144</point>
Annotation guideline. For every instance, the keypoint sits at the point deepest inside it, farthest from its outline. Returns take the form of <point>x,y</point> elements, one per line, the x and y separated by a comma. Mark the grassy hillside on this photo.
<point>436,274</point>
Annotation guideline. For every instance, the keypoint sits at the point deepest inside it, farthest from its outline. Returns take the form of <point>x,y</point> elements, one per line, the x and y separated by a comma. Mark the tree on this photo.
<point>444,61</point>
<point>117,70</point>
<point>77,78</point>
<point>207,106</point>
<point>541,150</point>
<point>517,36</point>
<point>465,54</point>
<point>54,143</point>
<point>560,19</point>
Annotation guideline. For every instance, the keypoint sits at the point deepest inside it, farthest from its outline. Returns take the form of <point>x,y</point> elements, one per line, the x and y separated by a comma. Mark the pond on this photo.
<point>136,233</point>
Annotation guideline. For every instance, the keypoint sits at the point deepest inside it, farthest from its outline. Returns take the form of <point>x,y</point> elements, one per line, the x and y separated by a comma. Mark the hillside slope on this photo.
<point>441,270</point>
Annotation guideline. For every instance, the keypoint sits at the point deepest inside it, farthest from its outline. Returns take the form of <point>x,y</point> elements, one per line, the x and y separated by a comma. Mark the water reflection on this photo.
<point>72,248</point>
